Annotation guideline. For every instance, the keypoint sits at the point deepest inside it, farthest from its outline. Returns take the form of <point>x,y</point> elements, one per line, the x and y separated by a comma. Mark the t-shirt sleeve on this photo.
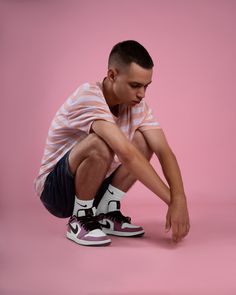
<point>85,108</point>
<point>149,121</point>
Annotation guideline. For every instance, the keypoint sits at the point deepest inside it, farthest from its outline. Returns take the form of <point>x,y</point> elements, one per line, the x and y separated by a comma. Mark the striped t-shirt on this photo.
<point>75,118</point>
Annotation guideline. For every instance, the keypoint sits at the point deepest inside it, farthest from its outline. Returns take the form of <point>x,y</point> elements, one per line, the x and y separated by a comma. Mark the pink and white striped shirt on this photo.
<point>75,118</point>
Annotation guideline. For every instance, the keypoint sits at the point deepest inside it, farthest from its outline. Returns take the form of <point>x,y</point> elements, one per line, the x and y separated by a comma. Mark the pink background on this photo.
<point>47,49</point>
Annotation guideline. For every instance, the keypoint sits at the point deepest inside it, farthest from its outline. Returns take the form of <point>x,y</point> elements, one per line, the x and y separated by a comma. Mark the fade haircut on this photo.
<point>126,52</point>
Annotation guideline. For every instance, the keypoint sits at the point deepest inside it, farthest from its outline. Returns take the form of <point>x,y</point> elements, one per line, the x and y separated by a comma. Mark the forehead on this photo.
<point>136,73</point>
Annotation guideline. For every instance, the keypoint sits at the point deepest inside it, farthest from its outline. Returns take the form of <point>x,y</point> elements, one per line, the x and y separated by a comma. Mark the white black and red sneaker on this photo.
<point>114,223</point>
<point>85,230</point>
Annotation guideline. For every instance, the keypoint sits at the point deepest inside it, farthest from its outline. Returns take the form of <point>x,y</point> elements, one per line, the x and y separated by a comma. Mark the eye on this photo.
<point>134,86</point>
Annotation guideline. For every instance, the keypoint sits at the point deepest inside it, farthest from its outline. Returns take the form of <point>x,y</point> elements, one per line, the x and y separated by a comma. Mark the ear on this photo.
<point>112,74</point>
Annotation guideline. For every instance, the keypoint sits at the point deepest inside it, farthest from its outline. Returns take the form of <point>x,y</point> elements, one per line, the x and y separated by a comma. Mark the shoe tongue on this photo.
<point>86,212</point>
<point>114,206</point>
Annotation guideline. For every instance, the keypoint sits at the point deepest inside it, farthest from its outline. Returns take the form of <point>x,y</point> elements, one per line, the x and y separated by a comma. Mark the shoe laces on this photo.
<point>118,217</point>
<point>88,222</point>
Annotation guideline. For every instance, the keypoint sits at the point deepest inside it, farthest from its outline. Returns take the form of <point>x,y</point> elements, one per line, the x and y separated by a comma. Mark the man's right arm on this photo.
<point>131,158</point>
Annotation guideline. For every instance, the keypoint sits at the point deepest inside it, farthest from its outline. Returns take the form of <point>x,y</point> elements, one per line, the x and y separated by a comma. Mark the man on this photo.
<point>99,143</point>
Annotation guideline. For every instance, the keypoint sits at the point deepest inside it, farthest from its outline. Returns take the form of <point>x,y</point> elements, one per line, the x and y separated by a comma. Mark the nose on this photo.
<point>141,93</point>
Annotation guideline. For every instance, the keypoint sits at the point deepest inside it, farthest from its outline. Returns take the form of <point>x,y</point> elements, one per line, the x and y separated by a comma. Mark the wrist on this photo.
<point>178,197</point>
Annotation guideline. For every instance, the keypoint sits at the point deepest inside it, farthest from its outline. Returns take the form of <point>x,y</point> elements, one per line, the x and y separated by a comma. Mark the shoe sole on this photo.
<point>87,243</point>
<point>123,234</point>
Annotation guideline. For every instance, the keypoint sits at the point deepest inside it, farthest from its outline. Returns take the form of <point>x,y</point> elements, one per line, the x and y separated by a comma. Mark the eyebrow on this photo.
<point>140,84</point>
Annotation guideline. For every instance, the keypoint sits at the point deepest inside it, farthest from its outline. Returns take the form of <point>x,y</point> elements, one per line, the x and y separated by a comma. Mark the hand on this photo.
<point>178,218</point>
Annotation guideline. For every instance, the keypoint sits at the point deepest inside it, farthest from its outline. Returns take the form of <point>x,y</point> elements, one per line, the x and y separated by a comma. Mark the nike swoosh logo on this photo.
<point>110,192</point>
<point>81,205</point>
<point>74,230</point>
<point>107,225</point>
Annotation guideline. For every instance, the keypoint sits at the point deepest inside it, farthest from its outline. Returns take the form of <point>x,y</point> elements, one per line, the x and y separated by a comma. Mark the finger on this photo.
<point>175,232</point>
<point>182,231</point>
<point>186,230</point>
<point>168,224</point>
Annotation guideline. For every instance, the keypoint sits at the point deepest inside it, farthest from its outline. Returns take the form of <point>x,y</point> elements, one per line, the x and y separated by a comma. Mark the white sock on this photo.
<point>81,205</point>
<point>112,194</point>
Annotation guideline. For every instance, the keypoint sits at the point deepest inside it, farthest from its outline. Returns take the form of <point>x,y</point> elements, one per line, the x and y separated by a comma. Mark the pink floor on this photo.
<point>36,258</point>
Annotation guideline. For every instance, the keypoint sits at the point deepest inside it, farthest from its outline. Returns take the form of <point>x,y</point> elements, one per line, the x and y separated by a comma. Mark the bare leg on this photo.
<point>89,161</point>
<point>122,179</point>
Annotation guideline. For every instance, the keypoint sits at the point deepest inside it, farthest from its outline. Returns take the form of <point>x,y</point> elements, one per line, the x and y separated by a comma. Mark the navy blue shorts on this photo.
<point>58,195</point>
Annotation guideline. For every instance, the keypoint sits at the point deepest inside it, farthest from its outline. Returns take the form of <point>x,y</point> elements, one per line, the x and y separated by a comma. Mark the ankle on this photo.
<point>81,205</point>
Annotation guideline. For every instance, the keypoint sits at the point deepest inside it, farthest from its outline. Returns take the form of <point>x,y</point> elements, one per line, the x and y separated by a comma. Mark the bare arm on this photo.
<point>159,145</point>
<point>177,215</point>
<point>131,158</point>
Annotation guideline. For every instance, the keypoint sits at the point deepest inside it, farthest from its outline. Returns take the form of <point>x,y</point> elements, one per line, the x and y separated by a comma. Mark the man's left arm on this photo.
<point>177,215</point>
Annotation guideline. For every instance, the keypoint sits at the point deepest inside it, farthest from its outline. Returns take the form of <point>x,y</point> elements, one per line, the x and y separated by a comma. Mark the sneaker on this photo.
<point>85,230</point>
<point>114,223</point>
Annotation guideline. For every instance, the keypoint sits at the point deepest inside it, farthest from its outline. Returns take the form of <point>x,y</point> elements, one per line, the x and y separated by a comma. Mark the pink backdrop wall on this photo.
<point>49,47</point>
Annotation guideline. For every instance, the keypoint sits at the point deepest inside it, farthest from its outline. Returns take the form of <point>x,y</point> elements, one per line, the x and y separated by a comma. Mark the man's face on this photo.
<point>130,85</point>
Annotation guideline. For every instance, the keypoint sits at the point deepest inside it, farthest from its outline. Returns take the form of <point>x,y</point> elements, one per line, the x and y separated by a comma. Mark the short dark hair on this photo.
<point>126,52</point>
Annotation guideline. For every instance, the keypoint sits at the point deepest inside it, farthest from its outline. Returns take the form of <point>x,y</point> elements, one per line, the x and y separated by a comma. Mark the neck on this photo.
<point>108,93</point>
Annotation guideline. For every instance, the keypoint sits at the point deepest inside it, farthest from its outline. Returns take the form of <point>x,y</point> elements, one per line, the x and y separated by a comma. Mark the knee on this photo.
<point>141,144</point>
<point>99,149</point>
